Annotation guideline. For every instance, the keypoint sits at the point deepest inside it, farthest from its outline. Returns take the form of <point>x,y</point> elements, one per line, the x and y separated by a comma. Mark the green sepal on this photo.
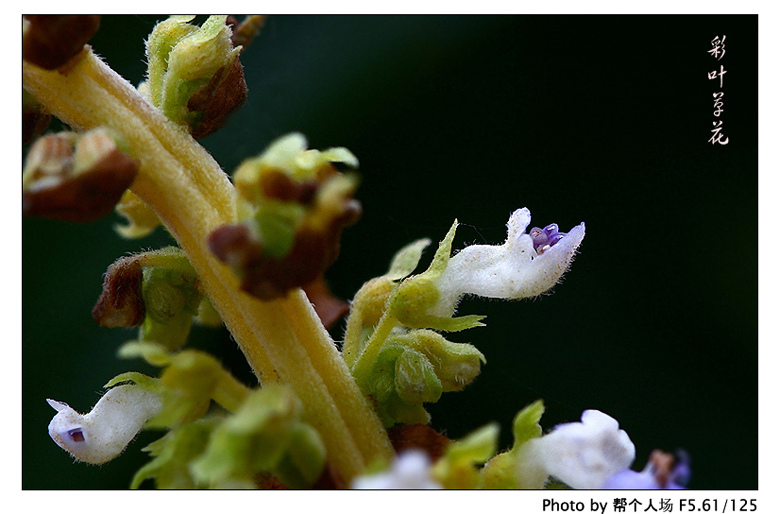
<point>412,300</point>
<point>276,224</point>
<point>406,260</point>
<point>507,470</point>
<point>144,382</point>
<point>382,385</point>
<point>163,38</point>
<point>207,314</point>
<point>153,353</point>
<point>526,423</point>
<point>415,378</point>
<point>173,454</point>
<point>370,301</point>
<point>457,468</point>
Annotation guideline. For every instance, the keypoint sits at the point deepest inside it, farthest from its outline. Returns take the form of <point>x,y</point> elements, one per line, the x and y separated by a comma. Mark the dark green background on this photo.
<point>596,119</point>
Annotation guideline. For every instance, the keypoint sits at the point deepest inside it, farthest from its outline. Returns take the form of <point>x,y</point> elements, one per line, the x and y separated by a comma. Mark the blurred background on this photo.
<point>601,119</point>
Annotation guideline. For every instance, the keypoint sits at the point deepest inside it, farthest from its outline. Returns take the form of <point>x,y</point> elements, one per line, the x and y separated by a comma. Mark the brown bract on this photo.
<point>280,186</point>
<point>217,100</point>
<point>121,303</point>
<point>50,41</point>
<point>87,196</point>
<point>329,308</point>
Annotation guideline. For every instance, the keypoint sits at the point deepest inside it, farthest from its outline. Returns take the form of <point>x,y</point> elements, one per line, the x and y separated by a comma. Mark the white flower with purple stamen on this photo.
<point>526,265</point>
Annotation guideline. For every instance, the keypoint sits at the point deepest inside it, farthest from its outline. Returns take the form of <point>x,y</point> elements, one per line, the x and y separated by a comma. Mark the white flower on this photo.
<point>526,265</point>
<point>104,432</point>
<point>410,470</point>
<point>583,455</point>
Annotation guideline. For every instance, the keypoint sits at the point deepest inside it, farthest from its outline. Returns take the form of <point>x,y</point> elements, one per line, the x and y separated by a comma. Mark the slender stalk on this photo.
<point>282,340</point>
<point>362,366</point>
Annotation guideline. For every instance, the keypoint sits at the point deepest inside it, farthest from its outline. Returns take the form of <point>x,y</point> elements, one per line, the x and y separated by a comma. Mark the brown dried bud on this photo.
<point>268,278</point>
<point>217,100</point>
<point>50,41</point>
<point>83,186</point>
<point>121,303</point>
<point>295,204</point>
<point>419,437</point>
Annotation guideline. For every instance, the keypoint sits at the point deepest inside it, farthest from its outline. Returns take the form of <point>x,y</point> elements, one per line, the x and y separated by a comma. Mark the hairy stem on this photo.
<point>282,340</point>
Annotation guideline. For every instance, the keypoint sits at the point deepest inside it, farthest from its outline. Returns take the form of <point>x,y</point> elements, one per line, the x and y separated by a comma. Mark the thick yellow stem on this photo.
<point>282,340</point>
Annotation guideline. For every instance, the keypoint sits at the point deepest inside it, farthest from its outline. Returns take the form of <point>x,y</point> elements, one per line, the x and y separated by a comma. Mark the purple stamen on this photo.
<point>546,237</point>
<point>76,434</point>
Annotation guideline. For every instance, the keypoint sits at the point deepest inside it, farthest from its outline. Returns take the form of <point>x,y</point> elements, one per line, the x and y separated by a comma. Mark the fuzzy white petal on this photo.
<point>584,455</point>
<point>100,435</point>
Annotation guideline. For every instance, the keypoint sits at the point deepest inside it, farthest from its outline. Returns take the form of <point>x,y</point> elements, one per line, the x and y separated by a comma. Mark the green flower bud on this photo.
<point>172,299</point>
<point>383,387</point>
<point>158,290</point>
<point>455,364</point>
<point>195,77</point>
<point>259,438</point>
